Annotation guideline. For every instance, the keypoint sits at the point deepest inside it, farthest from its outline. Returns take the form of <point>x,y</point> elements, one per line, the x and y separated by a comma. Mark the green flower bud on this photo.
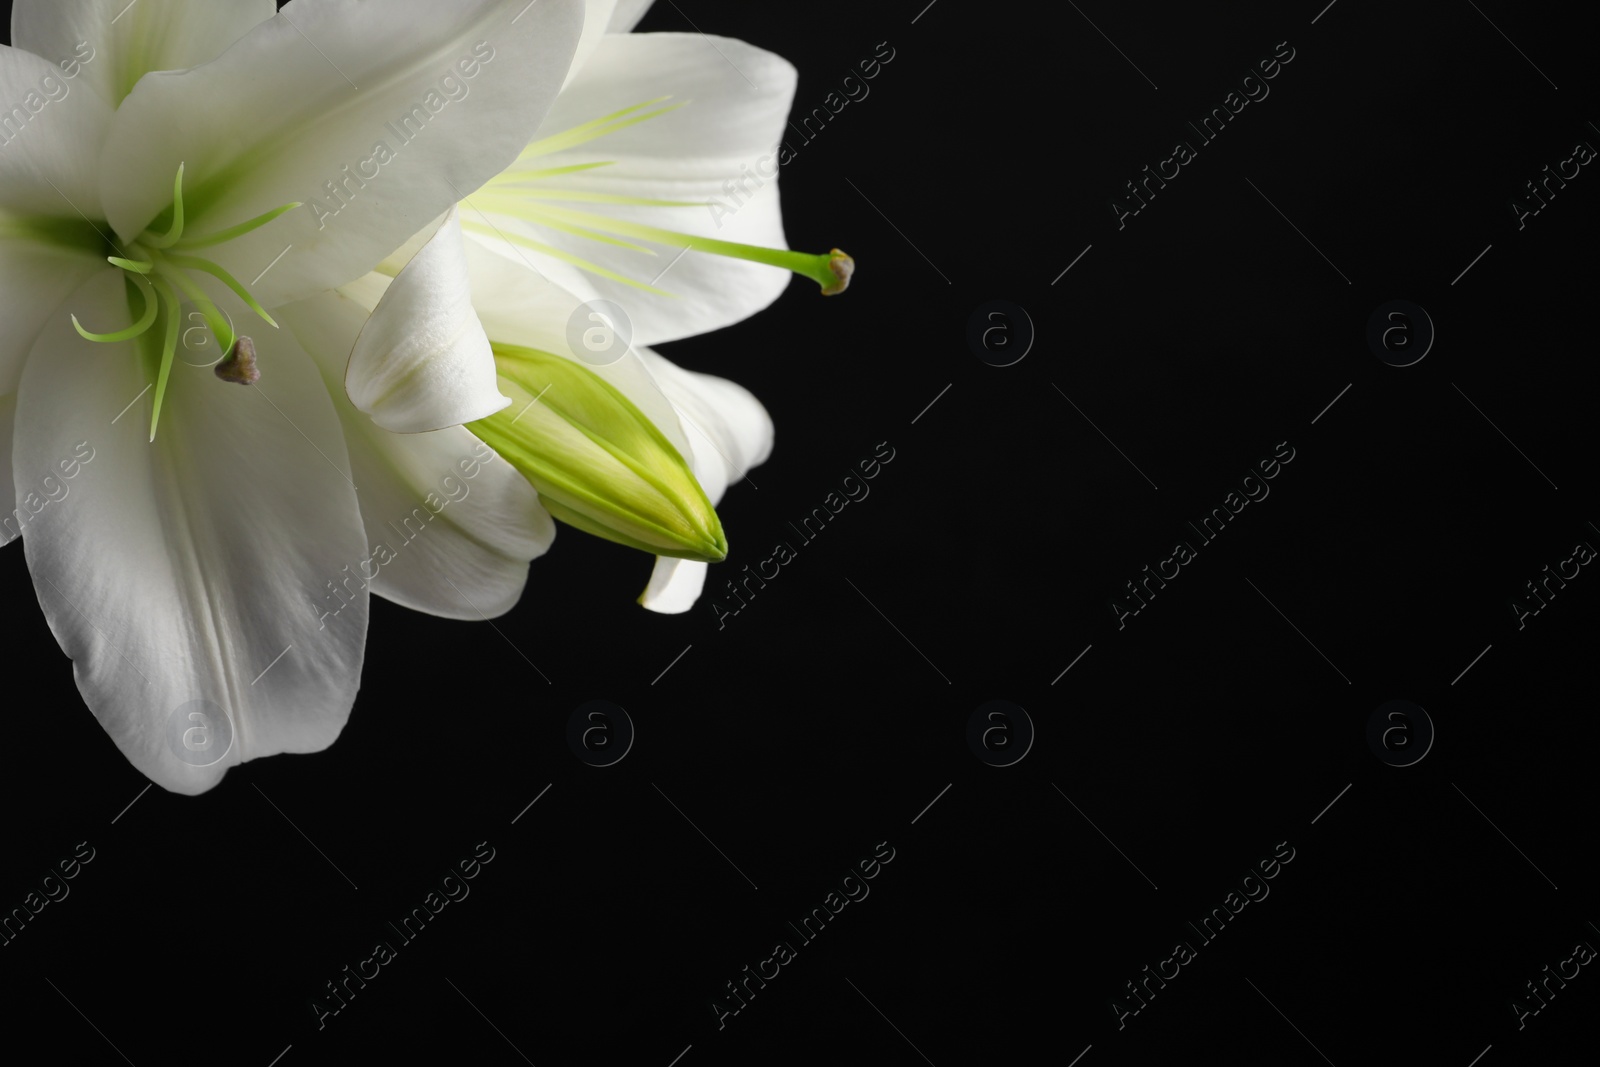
<point>598,463</point>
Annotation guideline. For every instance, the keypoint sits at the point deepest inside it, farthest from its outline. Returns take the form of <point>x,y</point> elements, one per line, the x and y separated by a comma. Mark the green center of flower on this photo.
<point>523,192</point>
<point>159,265</point>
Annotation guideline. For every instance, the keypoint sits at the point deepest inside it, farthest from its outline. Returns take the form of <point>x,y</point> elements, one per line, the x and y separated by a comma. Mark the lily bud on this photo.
<point>598,463</point>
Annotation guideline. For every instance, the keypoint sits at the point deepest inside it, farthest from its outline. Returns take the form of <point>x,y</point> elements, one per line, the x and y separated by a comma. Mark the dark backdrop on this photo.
<point>1173,750</point>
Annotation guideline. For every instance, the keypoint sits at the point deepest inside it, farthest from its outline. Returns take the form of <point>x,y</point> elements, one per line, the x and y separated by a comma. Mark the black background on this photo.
<point>826,716</point>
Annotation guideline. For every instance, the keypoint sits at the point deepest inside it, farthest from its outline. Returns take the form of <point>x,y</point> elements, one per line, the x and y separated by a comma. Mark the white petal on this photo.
<point>50,138</point>
<point>596,17</point>
<point>296,110</point>
<point>675,585</point>
<point>11,521</point>
<point>719,149</point>
<point>627,14</point>
<point>450,526</point>
<point>729,431</point>
<point>112,43</point>
<point>423,362</point>
<point>36,277</point>
<point>193,575</point>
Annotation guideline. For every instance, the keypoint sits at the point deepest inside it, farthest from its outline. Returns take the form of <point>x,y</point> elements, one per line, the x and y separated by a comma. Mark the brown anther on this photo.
<point>240,365</point>
<point>842,266</point>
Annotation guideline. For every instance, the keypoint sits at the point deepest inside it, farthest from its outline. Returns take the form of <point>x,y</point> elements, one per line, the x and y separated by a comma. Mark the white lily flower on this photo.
<point>652,138</point>
<point>202,552</point>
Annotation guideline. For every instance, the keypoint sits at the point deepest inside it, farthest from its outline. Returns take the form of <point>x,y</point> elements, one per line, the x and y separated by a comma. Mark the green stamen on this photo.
<point>557,253</point>
<point>240,230</point>
<point>162,275</point>
<point>831,271</point>
<point>196,263</point>
<point>169,348</point>
<point>146,320</point>
<point>172,235</point>
<point>599,127</point>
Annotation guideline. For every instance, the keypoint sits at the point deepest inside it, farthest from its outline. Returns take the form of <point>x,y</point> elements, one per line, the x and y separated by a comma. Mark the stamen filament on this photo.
<point>240,230</point>
<point>137,266</point>
<point>172,235</point>
<point>219,325</point>
<point>146,320</point>
<point>169,348</point>
<point>196,263</point>
<point>831,270</point>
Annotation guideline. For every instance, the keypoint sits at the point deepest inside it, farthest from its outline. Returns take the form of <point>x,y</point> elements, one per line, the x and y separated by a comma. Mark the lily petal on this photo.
<point>50,140</point>
<point>724,138</point>
<point>115,43</point>
<point>450,526</point>
<point>187,576</point>
<point>10,519</point>
<point>423,361</point>
<point>626,15</point>
<point>297,109</point>
<point>729,431</point>
<point>675,585</point>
